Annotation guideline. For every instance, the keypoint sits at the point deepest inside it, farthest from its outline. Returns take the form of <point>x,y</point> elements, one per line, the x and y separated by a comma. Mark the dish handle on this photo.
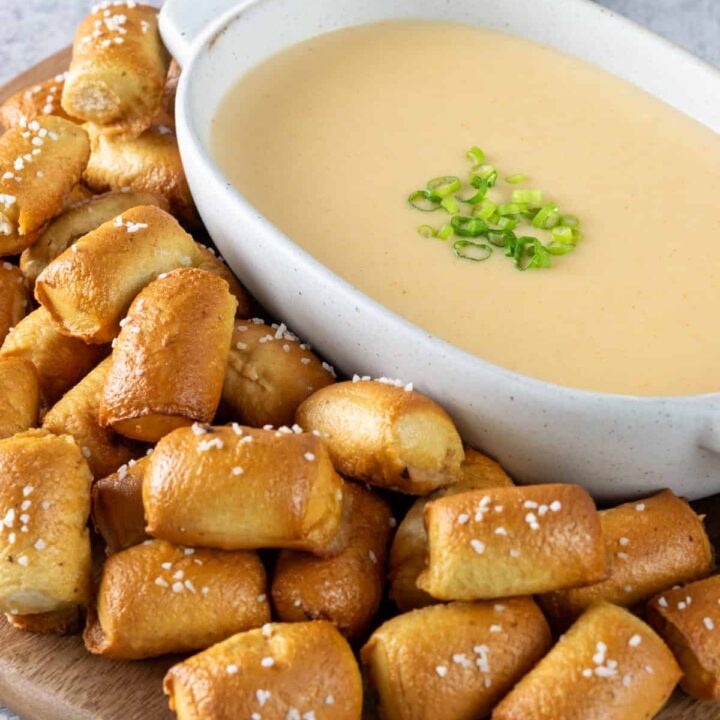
<point>181,21</point>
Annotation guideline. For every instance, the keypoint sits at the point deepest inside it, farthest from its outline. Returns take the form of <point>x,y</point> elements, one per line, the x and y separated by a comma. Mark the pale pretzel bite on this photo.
<point>454,661</point>
<point>147,394</point>
<point>76,414</point>
<point>270,372</point>
<point>651,545</point>
<point>147,163</point>
<point>688,619</point>
<point>508,541</point>
<point>44,507</point>
<point>118,68</point>
<point>609,665</point>
<point>78,220</point>
<point>41,161</point>
<point>14,298</point>
<point>61,361</point>
<point>37,100</point>
<point>60,622</point>
<point>207,260</point>
<point>240,488</point>
<point>346,588</point>
<point>157,598</point>
<point>409,548</point>
<point>19,396</point>
<point>117,507</point>
<point>386,434</point>
<point>88,288</point>
<point>289,671</point>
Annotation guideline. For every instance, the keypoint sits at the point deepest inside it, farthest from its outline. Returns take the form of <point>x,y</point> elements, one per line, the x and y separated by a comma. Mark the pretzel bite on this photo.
<point>89,287</point>
<point>651,545</point>
<point>19,396</point>
<point>207,260</point>
<point>294,671</point>
<point>512,541</point>
<point>44,542</point>
<point>688,619</point>
<point>453,661</point>
<point>31,102</point>
<point>147,163</point>
<point>14,299</point>
<point>117,508</point>
<point>609,665</point>
<point>118,68</point>
<point>188,315</point>
<point>157,598</point>
<point>76,414</point>
<point>409,547</point>
<point>40,163</point>
<point>80,219</point>
<point>236,488</point>
<point>60,622</point>
<point>386,435</point>
<point>269,374</point>
<point>61,361</point>
<point>346,588</point>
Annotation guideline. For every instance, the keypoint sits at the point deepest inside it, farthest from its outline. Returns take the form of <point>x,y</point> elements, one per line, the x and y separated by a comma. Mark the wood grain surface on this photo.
<point>53,678</point>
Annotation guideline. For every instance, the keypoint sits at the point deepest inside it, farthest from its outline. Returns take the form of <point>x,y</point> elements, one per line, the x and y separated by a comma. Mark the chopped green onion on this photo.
<point>559,248</point>
<point>506,223</point>
<point>510,209</point>
<point>424,201</point>
<point>533,198</point>
<point>475,198</point>
<point>465,226</point>
<point>517,179</point>
<point>562,234</point>
<point>485,210</point>
<point>570,221</point>
<point>468,250</point>
<point>502,238</point>
<point>426,231</point>
<point>547,218</point>
<point>450,204</point>
<point>475,155</point>
<point>485,172</point>
<point>530,253</point>
<point>444,185</point>
<point>445,232</point>
<point>577,235</point>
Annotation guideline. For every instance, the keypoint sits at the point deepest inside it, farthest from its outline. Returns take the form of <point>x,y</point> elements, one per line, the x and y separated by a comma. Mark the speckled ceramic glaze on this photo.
<point>616,446</point>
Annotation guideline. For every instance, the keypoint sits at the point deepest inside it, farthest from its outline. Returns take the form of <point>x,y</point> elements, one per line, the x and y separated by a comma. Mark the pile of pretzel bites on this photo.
<point>244,501</point>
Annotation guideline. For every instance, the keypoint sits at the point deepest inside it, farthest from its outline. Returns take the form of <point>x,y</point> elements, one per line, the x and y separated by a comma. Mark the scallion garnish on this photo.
<point>444,185</point>
<point>469,250</point>
<point>497,217</point>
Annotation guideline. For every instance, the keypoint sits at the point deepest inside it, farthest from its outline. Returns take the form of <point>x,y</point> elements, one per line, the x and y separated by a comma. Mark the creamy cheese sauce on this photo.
<point>329,137</point>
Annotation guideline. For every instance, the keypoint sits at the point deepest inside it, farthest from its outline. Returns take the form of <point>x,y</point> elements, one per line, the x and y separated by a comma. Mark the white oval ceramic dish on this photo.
<point>616,446</point>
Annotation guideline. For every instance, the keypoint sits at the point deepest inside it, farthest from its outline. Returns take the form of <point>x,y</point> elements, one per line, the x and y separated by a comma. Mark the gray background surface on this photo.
<point>33,29</point>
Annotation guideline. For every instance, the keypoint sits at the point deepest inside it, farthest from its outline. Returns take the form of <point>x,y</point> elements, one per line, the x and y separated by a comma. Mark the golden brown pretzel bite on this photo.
<point>157,598</point>
<point>169,360</point>
<point>118,68</point>
<point>61,361</point>
<point>80,219</point>
<point>293,671</point>
<point>207,260</point>
<point>409,548</point>
<point>385,435</point>
<point>148,163</point>
<point>117,509</point>
<point>651,545</point>
<point>76,414</point>
<point>14,298</point>
<point>345,588</point>
<point>269,374</point>
<point>512,541</point>
<point>609,665</point>
<point>44,507</point>
<point>60,622</point>
<point>236,488</point>
<point>41,161</point>
<point>454,661</point>
<point>688,619</point>
<point>36,100</point>
<point>89,287</point>
<point>19,396</point>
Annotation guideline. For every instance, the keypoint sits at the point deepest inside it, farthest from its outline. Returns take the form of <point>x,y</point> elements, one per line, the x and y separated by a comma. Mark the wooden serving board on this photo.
<point>53,678</point>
